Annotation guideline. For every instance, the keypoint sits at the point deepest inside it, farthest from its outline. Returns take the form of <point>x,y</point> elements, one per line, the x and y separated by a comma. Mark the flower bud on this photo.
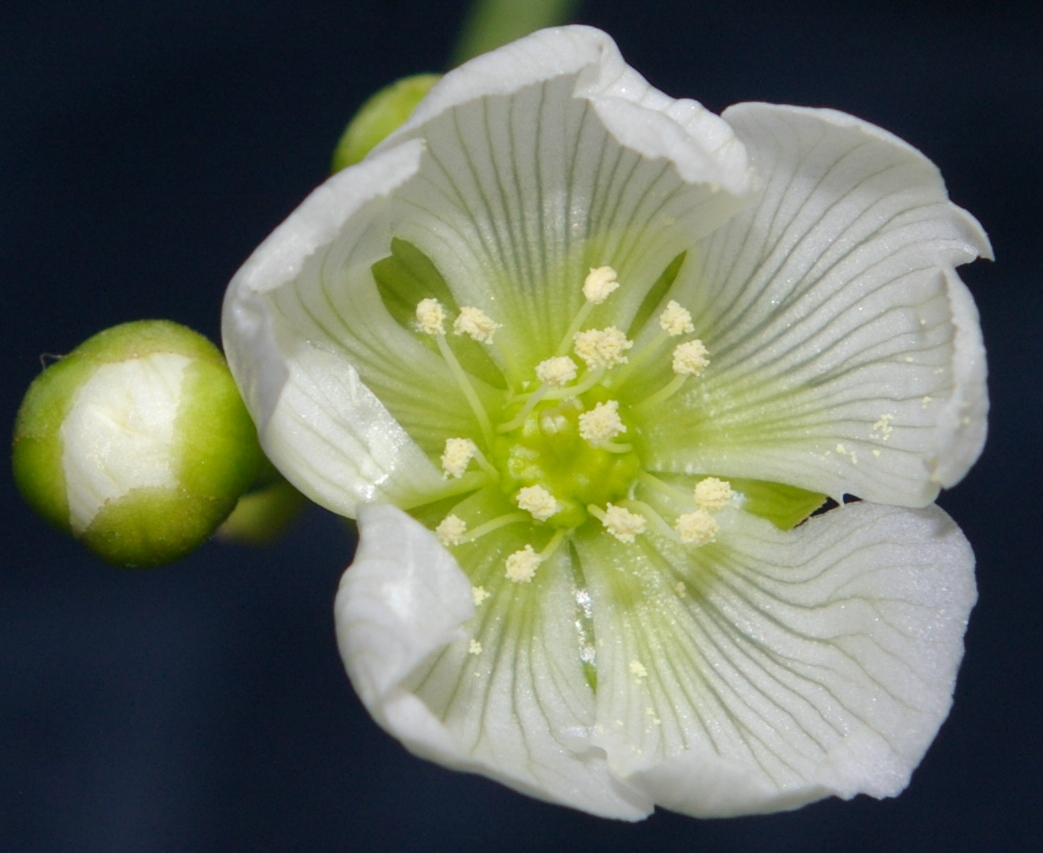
<point>383,113</point>
<point>137,443</point>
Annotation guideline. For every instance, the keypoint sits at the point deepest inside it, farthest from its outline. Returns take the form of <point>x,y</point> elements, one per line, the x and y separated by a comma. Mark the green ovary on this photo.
<point>547,450</point>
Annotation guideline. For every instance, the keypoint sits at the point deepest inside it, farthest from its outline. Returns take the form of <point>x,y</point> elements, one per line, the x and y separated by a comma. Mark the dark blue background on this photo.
<point>146,147</point>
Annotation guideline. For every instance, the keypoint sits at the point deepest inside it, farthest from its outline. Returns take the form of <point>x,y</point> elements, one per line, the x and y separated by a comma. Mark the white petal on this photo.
<point>330,379</point>
<point>519,710</point>
<point>551,156</point>
<point>786,666</point>
<point>846,354</point>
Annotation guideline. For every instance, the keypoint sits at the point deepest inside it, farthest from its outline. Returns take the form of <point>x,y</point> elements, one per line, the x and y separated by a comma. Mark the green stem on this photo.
<point>492,23</point>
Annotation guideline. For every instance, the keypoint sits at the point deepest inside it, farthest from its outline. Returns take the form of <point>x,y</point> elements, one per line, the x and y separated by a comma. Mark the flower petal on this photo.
<point>772,669</point>
<point>551,156</point>
<point>845,352</point>
<point>349,405</point>
<point>516,707</point>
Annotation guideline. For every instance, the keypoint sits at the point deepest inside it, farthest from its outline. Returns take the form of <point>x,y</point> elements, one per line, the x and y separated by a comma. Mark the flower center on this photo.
<point>549,450</point>
<point>561,449</point>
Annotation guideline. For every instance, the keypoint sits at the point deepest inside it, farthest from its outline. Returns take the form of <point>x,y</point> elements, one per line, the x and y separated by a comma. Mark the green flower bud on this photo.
<point>383,113</point>
<point>137,443</point>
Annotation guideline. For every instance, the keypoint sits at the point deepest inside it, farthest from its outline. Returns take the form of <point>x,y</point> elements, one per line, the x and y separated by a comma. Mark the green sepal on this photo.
<point>406,277</point>
<point>383,113</point>
<point>784,506</point>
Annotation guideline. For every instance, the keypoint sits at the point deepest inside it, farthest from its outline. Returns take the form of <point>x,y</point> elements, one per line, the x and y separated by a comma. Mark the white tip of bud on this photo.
<point>602,423</point>
<point>451,531</point>
<point>537,501</point>
<point>599,284</point>
<point>522,565</point>
<point>712,494</point>
<point>691,358</point>
<point>476,324</point>
<point>676,320</point>
<point>457,456</point>
<point>602,347</point>
<point>623,524</point>
<point>430,317</point>
<point>557,371</point>
<point>697,528</point>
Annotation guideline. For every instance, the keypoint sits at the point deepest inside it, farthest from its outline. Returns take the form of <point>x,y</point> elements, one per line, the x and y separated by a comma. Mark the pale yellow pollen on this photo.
<point>521,565</point>
<point>690,358</point>
<point>622,523</point>
<point>602,423</point>
<point>474,647</point>
<point>697,528</point>
<point>430,317</point>
<point>538,501</point>
<point>882,429</point>
<point>557,371</point>
<point>676,320</point>
<point>457,455</point>
<point>602,347</point>
<point>712,494</point>
<point>637,669</point>
<point>476,324</point>
<point>479,594</point>
<point>452,530</point>
<point>599,284</point>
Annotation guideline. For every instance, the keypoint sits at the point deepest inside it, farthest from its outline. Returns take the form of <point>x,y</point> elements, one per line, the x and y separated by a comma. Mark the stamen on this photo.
<point>557,371</point>
<point>457,456</point>
<point>521,565</point>
<point>620,522</point>
<point>602,423</point>
<point>538,502</point>
<point>465,385</point>
<point>476,324</point>
<point>697,528</point>
<point>691,358</point>
<point>712,494</point>
<point>451,531</point>
<point>602,347</point>
<point>676,320</point>
<point>599,284</point>
<point>495,524</point>
<point>430,317</point>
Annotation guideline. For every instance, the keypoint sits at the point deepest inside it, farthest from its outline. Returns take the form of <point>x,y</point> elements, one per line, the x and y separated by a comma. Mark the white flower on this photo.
<point>636,641</point>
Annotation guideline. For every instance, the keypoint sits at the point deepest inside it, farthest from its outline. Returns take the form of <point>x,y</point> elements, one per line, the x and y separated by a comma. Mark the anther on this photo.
<point>451,531</point>
<point>476,324</point>
<point>599,284</point>
<point>457,456</point>
<point>538,502</point>
<point>690,358</point>
<point>620,522</point>
<point>557,371</point>
<point>602,347</point>
<point>713,494</point>
<point>430,317</point>
<point>602,423</point>
<point>676,320</point>
<point>522,565</point>
<point>697,528</point>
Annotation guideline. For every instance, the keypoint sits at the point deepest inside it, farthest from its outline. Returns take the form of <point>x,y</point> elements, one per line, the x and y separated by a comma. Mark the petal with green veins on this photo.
<point>516,706</point>
<point>772,669</point>
<point>845,351</point>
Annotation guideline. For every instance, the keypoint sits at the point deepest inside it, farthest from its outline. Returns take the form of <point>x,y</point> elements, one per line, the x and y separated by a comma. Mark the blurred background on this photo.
<point>147,146</point>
